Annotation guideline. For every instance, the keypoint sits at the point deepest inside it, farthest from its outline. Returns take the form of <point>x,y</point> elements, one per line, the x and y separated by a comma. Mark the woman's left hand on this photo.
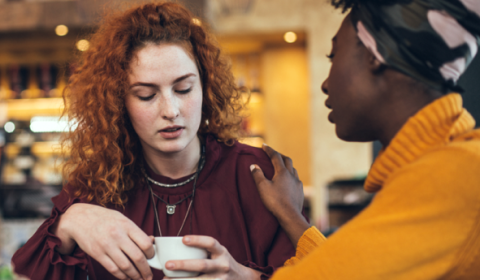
<point>221,264</point>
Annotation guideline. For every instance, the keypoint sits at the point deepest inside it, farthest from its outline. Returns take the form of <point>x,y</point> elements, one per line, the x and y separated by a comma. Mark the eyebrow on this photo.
<point>144,85</point>
<point>334,39</point>
<point>181,78</point>
<point>177,80</point>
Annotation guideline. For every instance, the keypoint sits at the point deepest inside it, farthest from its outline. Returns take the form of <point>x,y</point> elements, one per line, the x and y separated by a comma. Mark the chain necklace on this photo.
<point>171,185</point>
<point>171,208</point>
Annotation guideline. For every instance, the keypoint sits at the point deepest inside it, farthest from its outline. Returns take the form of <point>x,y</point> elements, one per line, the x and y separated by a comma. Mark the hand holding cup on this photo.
<point>169,248</point>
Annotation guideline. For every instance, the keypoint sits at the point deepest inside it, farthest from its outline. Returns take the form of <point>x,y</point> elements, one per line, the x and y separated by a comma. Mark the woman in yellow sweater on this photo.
<point>395,64</point>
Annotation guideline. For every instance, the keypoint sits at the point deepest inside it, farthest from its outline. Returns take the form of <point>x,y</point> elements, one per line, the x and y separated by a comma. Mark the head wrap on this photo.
<point>432,41</point>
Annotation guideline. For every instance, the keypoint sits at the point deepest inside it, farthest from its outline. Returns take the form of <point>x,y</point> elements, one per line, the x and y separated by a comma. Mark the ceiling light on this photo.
<point>196,21</point>
<point>83,45</point>
<point>61,30</point>
<point>9,127</point>
<point>51,124</point>
<point>290,37</point>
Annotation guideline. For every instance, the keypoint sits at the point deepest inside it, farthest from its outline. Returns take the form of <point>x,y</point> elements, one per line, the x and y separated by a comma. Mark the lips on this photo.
<point>327,104</point>
<point>171,129</point>
<point>330,115</point>
<point>171,132</point>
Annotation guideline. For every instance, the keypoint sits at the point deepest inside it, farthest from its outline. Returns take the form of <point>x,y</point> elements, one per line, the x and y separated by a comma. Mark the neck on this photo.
<point>174,165</point>
<point>406,105</point>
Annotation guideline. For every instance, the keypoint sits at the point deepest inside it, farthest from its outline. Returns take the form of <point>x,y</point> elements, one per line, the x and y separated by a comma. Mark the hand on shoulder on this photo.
<point>283,195</point>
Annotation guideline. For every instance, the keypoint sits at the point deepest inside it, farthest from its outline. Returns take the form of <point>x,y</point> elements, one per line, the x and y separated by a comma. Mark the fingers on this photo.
<point>203,266</point>
<point>295,173</point>
<point>120,266</point>
<point>128,253</point>
<point>275,157</point>
<point>125,265</point>
<point>258,175</point>
<point>279,161</point>
<point>143,241</point>
<point>206,242</point>
<point>288,163</point>
<point>111,267</point>
<point>203,277</point>
<point>138,257</point>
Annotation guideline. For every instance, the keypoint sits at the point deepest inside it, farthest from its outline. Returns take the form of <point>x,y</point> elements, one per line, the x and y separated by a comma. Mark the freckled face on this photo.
<point>164,101</point>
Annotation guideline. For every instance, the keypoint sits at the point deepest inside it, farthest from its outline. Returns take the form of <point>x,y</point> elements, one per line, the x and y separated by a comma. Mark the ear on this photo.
<point>375,66</point>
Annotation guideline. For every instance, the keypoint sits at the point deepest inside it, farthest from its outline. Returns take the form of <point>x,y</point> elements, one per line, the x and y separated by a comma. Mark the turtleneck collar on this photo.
<point>435,125</point>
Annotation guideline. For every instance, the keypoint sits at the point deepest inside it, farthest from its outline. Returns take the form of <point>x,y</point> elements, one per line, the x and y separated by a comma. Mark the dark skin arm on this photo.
<point>283,195</point>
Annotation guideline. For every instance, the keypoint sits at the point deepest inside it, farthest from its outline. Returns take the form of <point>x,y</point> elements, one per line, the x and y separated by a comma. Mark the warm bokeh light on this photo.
<point>290,37</point>
<point>83,45</point>
<point>197,21</point>
<point>41,124</point>
<point>9,127</point>
<point>61,30</point>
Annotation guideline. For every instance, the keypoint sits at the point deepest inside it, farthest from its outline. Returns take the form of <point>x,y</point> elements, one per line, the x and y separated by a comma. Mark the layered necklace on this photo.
<point>171,206</point>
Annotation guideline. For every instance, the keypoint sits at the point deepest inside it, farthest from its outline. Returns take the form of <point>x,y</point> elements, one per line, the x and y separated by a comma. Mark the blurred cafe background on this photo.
<point>277,50</point>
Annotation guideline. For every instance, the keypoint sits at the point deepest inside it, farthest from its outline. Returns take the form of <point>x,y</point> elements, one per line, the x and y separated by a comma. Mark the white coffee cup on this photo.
<point>169,248</point>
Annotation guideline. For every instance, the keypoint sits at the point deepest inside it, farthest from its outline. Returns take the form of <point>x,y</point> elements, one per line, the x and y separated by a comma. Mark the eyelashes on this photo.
<point>150,97</point>
<point>330,56</point>
<point>146,98</point>
<point>184,91</point>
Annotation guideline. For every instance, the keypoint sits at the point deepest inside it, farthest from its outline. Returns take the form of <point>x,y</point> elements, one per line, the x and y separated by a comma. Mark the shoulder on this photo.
<point>452,169</point>
<point>247,151</point>
<point>464,154</point>
<point>468,143</point>
<point>453,158</point>
<point>244,155</point>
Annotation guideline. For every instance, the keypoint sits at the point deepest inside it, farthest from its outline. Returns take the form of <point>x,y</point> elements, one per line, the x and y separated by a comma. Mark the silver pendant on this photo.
<point>171,209</point>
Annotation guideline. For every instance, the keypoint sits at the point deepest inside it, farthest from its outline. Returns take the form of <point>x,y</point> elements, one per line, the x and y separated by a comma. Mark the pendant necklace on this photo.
<point>171,207</point>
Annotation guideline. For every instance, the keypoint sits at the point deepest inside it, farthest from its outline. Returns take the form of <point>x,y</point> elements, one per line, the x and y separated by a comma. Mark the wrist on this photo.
<point>295,226</point>
<point>62,231</point>
<point>297,223</point>
<point>290,216</point>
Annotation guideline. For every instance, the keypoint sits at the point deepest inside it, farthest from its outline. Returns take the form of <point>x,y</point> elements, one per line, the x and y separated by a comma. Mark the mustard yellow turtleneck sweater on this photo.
<point>424,222</point>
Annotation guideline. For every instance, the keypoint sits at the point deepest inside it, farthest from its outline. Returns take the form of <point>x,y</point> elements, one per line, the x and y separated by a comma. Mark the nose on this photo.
<point>170,107</point>
<point>325,86</point>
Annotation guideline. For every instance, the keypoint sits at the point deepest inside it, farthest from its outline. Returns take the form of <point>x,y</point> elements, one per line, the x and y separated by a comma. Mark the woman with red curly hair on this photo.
<point>154,153</point>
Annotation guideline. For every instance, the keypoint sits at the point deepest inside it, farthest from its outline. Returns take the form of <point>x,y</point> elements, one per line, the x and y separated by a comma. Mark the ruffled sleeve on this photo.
<point>38,259</point>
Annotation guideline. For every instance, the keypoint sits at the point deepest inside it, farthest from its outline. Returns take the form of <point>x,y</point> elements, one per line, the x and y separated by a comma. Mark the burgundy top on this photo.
<point>227,206</point>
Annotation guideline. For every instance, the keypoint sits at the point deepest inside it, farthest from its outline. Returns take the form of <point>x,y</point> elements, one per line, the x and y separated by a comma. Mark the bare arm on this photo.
<point>283,195</point>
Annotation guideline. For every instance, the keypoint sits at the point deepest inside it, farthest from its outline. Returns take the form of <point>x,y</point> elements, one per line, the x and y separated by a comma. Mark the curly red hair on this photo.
<point>104,149</point>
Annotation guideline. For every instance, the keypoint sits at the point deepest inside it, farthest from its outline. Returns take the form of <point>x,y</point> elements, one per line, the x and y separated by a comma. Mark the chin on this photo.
<point>356,136</point>
<point>175,148</point>
<point>169,146</point>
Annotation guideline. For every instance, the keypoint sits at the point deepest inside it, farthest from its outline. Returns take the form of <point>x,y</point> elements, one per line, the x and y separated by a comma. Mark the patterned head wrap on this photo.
<point>432,41</point>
